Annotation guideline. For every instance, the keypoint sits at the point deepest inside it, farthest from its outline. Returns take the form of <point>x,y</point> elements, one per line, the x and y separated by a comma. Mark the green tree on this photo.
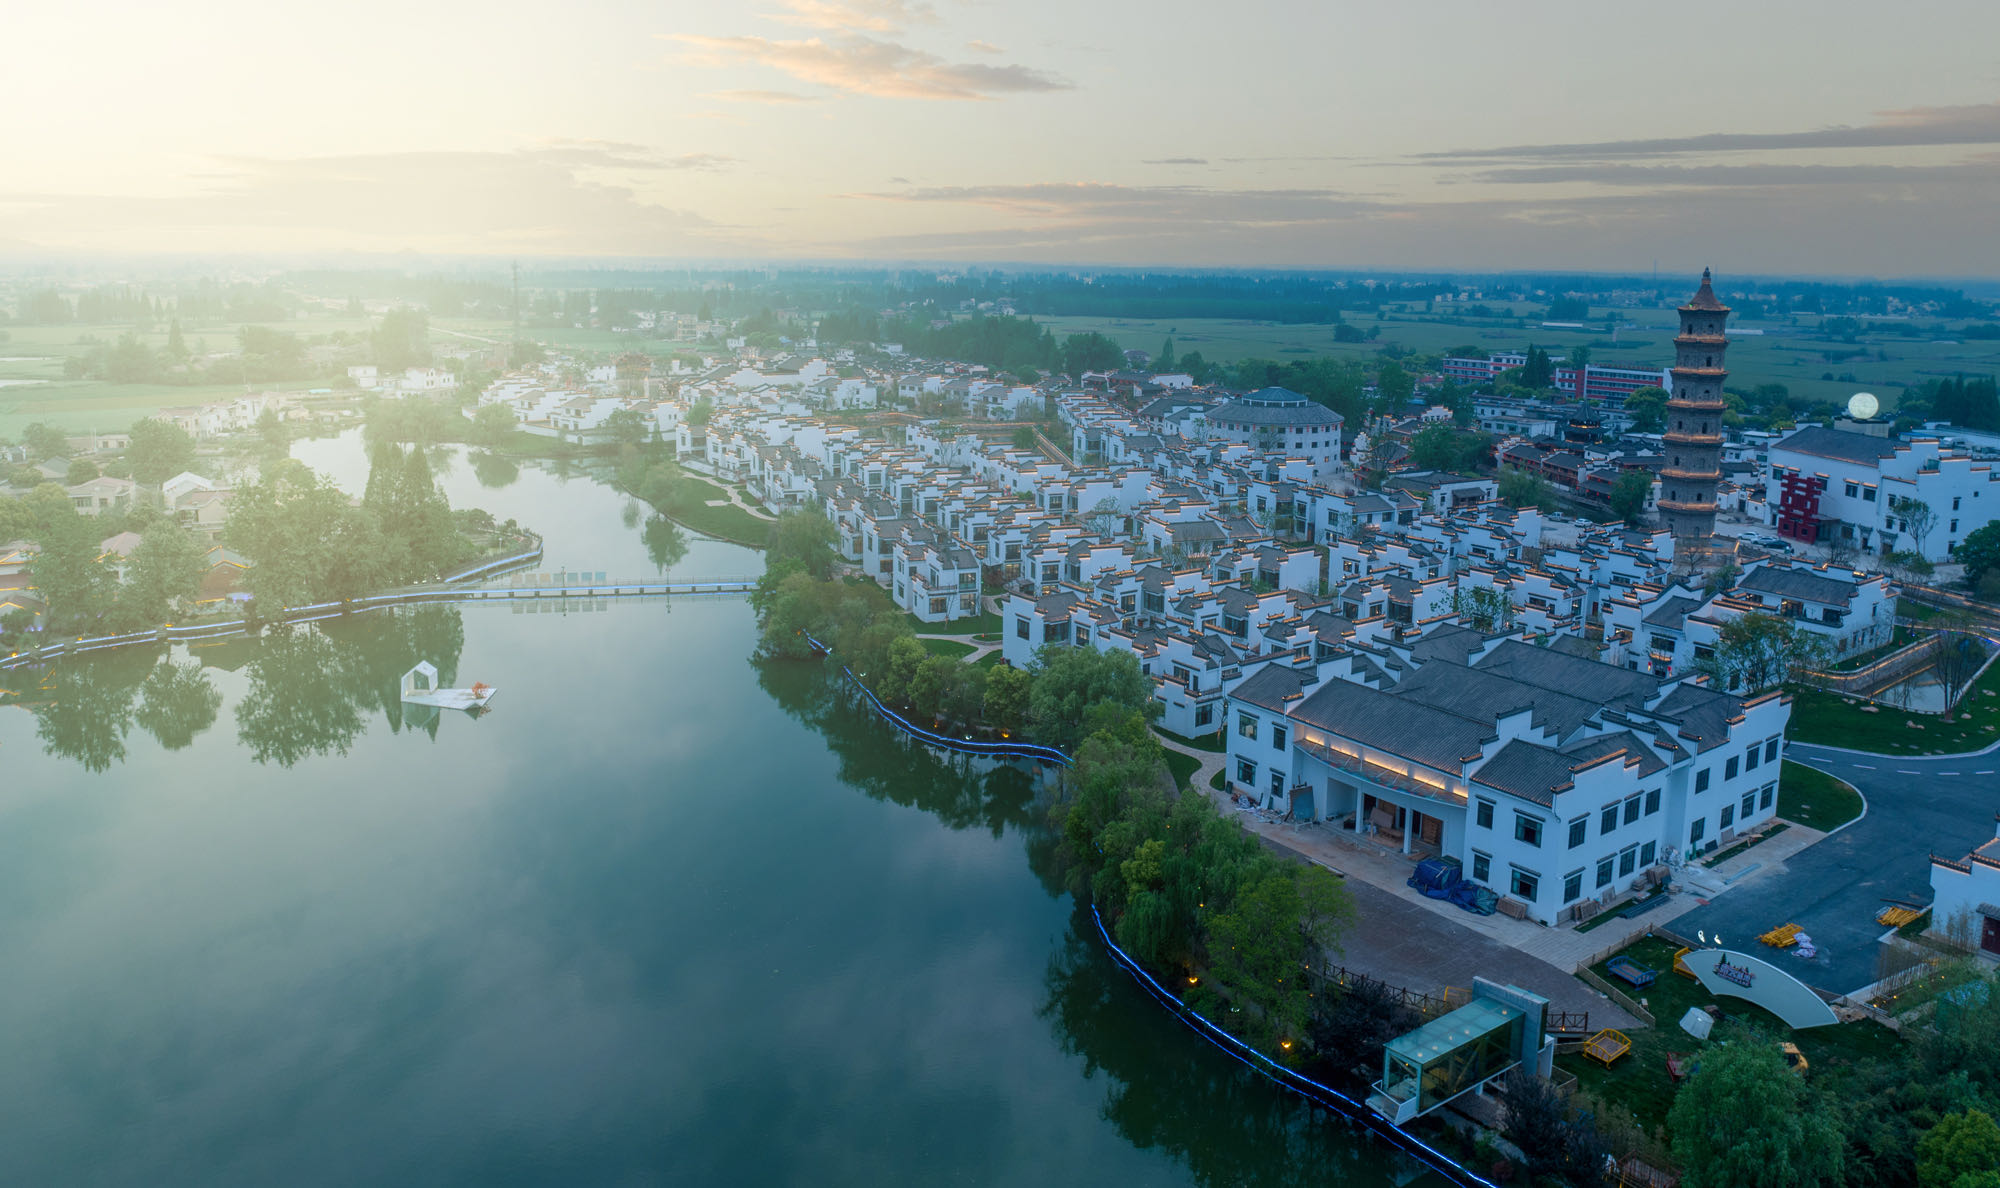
<point>627,426</point>
<point>304,541</point>
<point>1090,352</point>
<point>44,442</point>
<point>1743,1118</point>
<point>1755,651</point>
<point>1979,552</point>
<point>81,471</point>
<point>1525,488</point>
<point>163,576</point>
<point>1538,371</point>
<point>401,339</point>
<point>492,424</point>
<point>1629,494</point>
<point>700,411</point>
<point>1070,682</point>
<point>66,570</point>
<point>1482,607</point>
<point>1961,1151</point>
<point>1007,701</point>
<point>1394,384</point>
<point>176,703</point>
<point>803,540</point>
<point>1435,447</point>
<point>274,438</point>
<point>1648,409</point>
<point>176,343</point>
<point>159,451</point>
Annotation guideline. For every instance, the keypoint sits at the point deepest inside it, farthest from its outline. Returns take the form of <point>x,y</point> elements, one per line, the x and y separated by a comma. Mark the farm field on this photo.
<point>1783,354</point>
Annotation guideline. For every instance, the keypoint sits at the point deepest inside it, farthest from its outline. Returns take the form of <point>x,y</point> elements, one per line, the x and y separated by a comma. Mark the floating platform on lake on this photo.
<point>420,687</point>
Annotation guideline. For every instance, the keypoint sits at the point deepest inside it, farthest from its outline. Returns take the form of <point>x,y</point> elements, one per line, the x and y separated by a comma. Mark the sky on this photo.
<point>1828,138</point>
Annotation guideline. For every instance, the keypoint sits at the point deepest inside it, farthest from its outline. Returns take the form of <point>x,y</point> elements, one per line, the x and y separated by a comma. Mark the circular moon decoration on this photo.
<point>1863,406</point>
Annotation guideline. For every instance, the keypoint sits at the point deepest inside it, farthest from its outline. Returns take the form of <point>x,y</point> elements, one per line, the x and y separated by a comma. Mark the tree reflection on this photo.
<point>296,706</point>
<point>1170,1090</point>
<point>88,711</point>
<point>959,790</point>
<point>177,702</point>
<point>666,544</point>
<point>492,470</point>
<point>377,649</point>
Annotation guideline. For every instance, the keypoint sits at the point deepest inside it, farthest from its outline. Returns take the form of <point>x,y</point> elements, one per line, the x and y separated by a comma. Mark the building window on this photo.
<point>1579,829</point>
<point>938,606</point>
<point>1652,801</point>
<point>1246,725</point>
<point>1701,780</point>
<point>1852,490</point>
<point>1277,782</point>
<point>1603,872</point>
<point>1632,809</point>
<point>1484,814</point>
<point>1527,830</point>
<point>1609,821</point>
<point>1204,714</point>
<point>1728,816</point>
<point>1749,804</point>
<point>1482,867</point>
<point>1572,886</point>
<point>1021,627</point>
<point>1628,861</point>
<point>1771,751</point>
<point>1751,758</point>
<point>1525,884</point>
<point>1729,770</point>
<point>1278,737</point>
<point>1764,797</point>
<point>1246,772</point>
<point>1646,853</point>
<point>1695,831</point>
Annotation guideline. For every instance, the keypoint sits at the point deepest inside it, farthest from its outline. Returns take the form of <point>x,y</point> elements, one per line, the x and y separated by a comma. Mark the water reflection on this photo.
<point>83,707</point>
<point>666,544</point>
<point>494,471</point>
<point>176,703</point>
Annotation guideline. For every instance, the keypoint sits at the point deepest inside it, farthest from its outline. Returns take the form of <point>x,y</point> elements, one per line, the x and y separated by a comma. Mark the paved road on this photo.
<point>1916,806</point>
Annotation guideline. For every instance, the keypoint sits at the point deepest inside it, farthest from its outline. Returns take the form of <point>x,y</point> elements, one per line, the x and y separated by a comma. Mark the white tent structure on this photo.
<point>420,687</point>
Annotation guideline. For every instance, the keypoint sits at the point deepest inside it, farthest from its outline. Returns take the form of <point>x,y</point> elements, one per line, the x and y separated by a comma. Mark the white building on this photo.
<point>1966,894</point>
<point>1825,484</point>
<point>1552,779</point>
<point>1281,421</point>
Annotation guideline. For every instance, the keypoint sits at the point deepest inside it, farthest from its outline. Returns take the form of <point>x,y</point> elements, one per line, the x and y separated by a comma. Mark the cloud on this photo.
<point>1912,127</point>
<point>762,97</point>
<point>476,202</point>
<point>868,16</point>
<point>979,46</point>
<point>880,69</point>
<point>1984,168</point>
<point>1176,161</point>
<point>607,154</point>
<point>1077,203</point>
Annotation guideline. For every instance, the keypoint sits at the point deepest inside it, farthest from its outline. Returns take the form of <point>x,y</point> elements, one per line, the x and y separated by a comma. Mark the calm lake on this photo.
<point>664,916</point>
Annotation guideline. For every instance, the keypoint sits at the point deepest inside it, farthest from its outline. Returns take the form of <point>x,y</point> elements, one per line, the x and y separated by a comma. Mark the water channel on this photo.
<point>665,916</point>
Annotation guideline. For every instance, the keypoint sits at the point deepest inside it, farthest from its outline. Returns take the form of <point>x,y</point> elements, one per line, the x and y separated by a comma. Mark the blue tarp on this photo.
<point>1442,878</point>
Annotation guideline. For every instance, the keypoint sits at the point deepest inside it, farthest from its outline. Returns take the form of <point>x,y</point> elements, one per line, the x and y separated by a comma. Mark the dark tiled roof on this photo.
<point>1704,297</point>
<point>1571,675</point>
<point>1839,445</point>
<point>1703,714</point>
<point>1393,724</point>
<point>1528,771</point>
<point>1484,696</point>
<point>1670,613</point>
<point>1797,583</point>
<point>1274,687</point>
<point>1585,750</point>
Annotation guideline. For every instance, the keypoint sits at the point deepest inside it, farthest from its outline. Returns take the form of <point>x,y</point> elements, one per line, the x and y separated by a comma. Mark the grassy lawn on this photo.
<point>950,649</point>
<point>1183,767</point>
<point>1639,1081</point>
<point>984,623</point>
<point>1831,720</point>
<point>989,660</point>
<point>1215,781</point>
<point>1901,637</point>
<point>1606,917</point>
<point>731,522</point>
<point>1212,743</point>
<point>1815,799</point>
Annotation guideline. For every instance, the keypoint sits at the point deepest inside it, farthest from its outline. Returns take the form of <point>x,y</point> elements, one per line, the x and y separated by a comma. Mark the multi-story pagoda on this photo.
<point>1694,418</point>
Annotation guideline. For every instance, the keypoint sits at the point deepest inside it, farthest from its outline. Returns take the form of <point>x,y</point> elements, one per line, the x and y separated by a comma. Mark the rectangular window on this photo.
<point>1485,814</point>
<point>1749,804</point>
<point>1572,886</point>
<point>1204,714</point>
<point>1246,772</point>
<point>1729,770</point>
<point>1525,884</point>
<point>1701,780</point>
<point>1764,797</point>
<point>1278,736</point>
<point>1527,830</point>
<point>1628,861</point>
<point>1647,852</point>
<point>1603,872</point>
<point>1695,831</point>
<point>1751,758</point>
<point>937,606</point>
<point>1728,816</point>
<point>1021,627</point>
<point>1632,804</point>
<point>1609,821</point>
<point>1579,829</point>
<point>1652,801</point>
<point>1482,867</point>
<point>1247,725</point>
<point>1771,751</point>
